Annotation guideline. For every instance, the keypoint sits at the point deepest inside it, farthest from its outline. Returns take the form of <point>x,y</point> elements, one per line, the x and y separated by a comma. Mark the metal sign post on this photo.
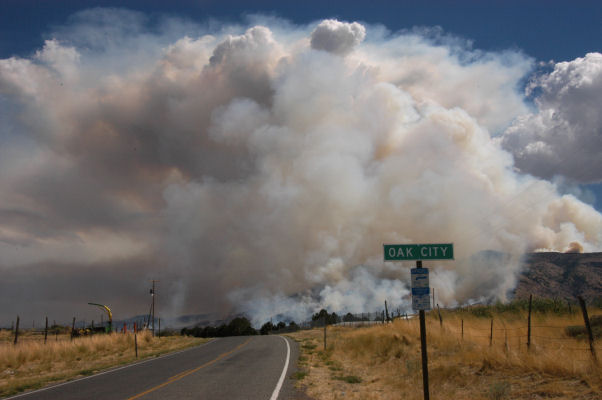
<point>421,300</point>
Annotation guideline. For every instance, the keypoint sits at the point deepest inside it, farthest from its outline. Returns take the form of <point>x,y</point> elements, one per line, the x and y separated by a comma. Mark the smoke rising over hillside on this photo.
<point>261,168</point>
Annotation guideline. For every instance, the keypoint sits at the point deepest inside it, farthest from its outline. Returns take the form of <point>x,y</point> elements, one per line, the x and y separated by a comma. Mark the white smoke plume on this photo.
<point>261,169</point>
<point>337,37</point>
<point>564,135</point>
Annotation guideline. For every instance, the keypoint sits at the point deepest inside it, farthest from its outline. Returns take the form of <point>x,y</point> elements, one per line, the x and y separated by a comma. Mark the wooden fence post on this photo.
<point>324,333</point>
<point>72,328</point>
<point>588,327</point>
<point>46,331</point>
<point>387,311</point>
<point>491,334</point>
<point>440,319</point>
<point>17,331</point>
<point>136,342</point>
<point>462,329</point>
<point>529,324</point>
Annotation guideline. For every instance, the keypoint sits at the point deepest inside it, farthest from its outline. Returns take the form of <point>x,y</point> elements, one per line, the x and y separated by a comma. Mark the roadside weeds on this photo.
<point>383,362</point>
<point>32,365</point>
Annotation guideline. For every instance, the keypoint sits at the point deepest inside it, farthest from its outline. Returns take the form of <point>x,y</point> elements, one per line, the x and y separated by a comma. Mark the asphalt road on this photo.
<point>255,367</point>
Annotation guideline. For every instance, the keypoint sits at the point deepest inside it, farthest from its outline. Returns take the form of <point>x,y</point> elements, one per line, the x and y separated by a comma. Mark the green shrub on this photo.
<point>299,375</point>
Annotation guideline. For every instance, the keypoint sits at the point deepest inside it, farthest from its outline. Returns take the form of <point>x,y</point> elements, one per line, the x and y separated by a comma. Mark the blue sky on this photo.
<point>547,30</point>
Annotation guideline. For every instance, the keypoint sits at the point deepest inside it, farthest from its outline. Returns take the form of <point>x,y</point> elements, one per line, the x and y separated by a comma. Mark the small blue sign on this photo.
<point>421,291</point>
<point>421,302</point>
<point>419,271</point>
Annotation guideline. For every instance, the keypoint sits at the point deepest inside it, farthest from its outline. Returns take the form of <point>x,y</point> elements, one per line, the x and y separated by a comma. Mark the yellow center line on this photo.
<point>188,372</point>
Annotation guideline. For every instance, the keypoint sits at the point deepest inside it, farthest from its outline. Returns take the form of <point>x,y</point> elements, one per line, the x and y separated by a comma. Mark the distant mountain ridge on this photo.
<point>561,275</point>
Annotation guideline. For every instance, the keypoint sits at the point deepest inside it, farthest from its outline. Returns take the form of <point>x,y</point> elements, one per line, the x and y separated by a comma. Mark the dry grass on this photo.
<point>386,360</point>
<point>31,364</point>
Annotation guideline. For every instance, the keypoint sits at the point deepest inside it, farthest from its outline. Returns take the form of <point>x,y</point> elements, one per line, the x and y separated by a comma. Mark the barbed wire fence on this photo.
<point>530,337</point>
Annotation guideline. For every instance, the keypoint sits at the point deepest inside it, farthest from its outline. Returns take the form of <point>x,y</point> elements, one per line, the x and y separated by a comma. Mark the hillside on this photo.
<point>561,275</point>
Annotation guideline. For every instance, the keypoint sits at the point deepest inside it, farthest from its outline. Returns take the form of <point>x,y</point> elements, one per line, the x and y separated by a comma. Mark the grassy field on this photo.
<point>31,364</point>
<point>384,361</point>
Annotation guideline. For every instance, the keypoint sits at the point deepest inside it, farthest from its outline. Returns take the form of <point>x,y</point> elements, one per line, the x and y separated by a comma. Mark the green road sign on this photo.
<point>406,252</point>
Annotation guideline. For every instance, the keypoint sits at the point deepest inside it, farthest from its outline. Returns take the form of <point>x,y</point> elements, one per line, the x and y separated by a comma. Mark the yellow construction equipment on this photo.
<point>109,313</point>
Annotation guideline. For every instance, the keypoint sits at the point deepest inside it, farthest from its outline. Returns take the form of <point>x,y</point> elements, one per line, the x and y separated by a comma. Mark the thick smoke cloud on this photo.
<point>337,37</point>
<point>260,169</point>
<point>564,135</point>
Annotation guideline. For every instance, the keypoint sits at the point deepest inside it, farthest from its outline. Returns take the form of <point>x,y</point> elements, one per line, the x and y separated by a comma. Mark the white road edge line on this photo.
<point>107,372</point>
<point>281,380</point>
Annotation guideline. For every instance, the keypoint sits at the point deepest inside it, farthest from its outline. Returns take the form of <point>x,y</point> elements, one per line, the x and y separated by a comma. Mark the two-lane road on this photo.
<point>255,367</point>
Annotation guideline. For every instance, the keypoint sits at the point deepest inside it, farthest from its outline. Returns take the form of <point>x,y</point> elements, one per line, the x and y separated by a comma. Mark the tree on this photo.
<point>323,315</point>
<point>237,327</point>
<point>319,316</point>
<point>266,328</point>
<point>349,317</point>
<point>240,327</point>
